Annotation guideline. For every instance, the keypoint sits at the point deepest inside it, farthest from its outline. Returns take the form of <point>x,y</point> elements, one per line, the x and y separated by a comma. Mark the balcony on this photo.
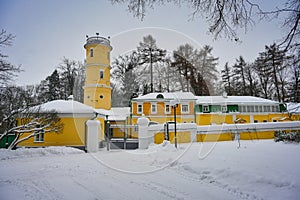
<point>97,40</point>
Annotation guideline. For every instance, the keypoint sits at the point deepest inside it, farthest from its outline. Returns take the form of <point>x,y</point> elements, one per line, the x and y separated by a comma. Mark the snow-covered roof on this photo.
<point>65,106</point>
<point>167,96</point>
<point>293,107</point>
<point>116,113</point>
<point>233,100</point>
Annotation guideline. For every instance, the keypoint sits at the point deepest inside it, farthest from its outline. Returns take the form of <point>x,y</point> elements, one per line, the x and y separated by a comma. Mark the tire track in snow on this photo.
<point>205,178</point>
<point>166,191</point>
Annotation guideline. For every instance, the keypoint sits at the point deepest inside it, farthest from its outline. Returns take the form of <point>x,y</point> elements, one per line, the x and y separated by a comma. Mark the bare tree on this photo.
<point>7,70</point>
<point>225,18</point>
<point>69,70</point>
<point>32,123</point>
<point>124,72</point>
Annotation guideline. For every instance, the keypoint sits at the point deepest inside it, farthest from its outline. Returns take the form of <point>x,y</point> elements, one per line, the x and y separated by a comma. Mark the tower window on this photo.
<point>92,53</point>
<point>101,74</point>
<point>101,96</point>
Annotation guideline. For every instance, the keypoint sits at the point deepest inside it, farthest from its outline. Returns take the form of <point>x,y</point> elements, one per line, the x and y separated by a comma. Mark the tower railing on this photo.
<point>97,40</point>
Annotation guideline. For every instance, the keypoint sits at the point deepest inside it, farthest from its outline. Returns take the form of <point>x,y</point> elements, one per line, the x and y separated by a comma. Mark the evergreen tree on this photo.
<point>226,78</point>
<point>275,59</point>
<point>206,69</point>
<point>149,53</point>
<point>294,82</point>
<point>239,78</point>
<point>54,87</point>
<point>198,67</point>
<point>264,73</point>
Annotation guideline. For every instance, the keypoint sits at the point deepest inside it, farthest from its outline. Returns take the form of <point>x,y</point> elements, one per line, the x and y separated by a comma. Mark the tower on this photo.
<point>97,89</point>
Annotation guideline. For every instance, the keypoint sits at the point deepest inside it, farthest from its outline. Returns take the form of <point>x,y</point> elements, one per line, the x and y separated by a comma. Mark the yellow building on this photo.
<point>237,109</point>
<point>157,107</point>
<point>73,115</point>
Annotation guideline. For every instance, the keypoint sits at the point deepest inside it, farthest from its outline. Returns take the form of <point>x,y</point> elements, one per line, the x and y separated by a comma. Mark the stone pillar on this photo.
<point>143,135</point>
<point>92,136</point>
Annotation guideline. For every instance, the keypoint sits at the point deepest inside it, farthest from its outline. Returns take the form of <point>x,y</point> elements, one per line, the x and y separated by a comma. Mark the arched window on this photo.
<point>160,96</point>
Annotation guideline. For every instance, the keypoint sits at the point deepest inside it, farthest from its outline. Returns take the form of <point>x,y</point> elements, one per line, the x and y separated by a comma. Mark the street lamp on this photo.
<point>174,104</point>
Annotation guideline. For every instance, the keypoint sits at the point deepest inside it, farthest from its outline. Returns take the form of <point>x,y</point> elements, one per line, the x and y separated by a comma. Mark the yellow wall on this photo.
<point>72,135</point>
<point>182,137</point>
<point>92,97</point>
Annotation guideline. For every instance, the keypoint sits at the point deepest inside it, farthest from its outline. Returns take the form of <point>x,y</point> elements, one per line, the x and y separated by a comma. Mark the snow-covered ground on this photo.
<point>257,170</point>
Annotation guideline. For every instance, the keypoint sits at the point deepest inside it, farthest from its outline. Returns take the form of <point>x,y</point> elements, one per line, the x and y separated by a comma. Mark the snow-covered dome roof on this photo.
<point>63,106</point>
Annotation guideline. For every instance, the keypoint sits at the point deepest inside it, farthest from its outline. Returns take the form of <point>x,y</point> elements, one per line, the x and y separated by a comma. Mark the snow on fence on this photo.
<point>190,132</point>
<point>251,127</point>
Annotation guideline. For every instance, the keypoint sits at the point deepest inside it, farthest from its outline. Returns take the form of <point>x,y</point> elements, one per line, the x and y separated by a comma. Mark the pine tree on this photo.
<point>54,86</point>
<point>149,53</point>
<point>239,78</point>
<point>275,59</point>
<point>264,72</point>
<point>226,78</point>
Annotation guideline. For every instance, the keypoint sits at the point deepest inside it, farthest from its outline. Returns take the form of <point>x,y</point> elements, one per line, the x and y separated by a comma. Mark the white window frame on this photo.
<point>205,108</point>
<point>137,108</point>
<point>169,106</point>
<point>101,73</point>
<point>188,108</point>
<point>224,108</point>
<point>153,105</point>
<point>40,136</point>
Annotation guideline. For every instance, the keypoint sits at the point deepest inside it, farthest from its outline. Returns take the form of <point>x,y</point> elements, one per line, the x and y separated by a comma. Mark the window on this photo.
<point>255,121</point>
<point>153,108</point>
<point>39,137</point>
<point>140,108</point>
<point>265,120</point>
<point>185,108</point>
<point>167,109</point>
<point>92,53</point>
<point>205,109</point>
<point>250,108</point>
<point>101,96</point>
<point>108,55</point>
<point>224,108</point>
<point>101,74</point>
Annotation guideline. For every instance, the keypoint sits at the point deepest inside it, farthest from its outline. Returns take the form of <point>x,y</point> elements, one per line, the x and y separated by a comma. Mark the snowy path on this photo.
<point>258,170</point>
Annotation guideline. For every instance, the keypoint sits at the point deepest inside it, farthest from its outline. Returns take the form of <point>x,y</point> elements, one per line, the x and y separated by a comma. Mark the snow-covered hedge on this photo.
<point>284,136</point>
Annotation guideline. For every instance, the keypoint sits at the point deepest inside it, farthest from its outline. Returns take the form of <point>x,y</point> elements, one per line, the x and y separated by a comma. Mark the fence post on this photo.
<point>92,135</point>
<point>143,135</point>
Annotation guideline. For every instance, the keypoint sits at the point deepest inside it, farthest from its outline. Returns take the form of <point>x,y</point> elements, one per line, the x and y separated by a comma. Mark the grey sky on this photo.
<point>47,31</point>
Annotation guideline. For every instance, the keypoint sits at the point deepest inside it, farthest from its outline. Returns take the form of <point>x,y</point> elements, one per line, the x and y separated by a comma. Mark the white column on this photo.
<point>92,136</point>
<point>143,135</point>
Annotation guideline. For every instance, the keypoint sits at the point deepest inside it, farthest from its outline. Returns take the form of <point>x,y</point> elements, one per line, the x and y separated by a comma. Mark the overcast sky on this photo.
<point>47,31</point>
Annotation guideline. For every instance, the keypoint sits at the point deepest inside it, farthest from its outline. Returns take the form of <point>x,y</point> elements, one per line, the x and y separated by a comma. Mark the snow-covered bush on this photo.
<point>293,136</point>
